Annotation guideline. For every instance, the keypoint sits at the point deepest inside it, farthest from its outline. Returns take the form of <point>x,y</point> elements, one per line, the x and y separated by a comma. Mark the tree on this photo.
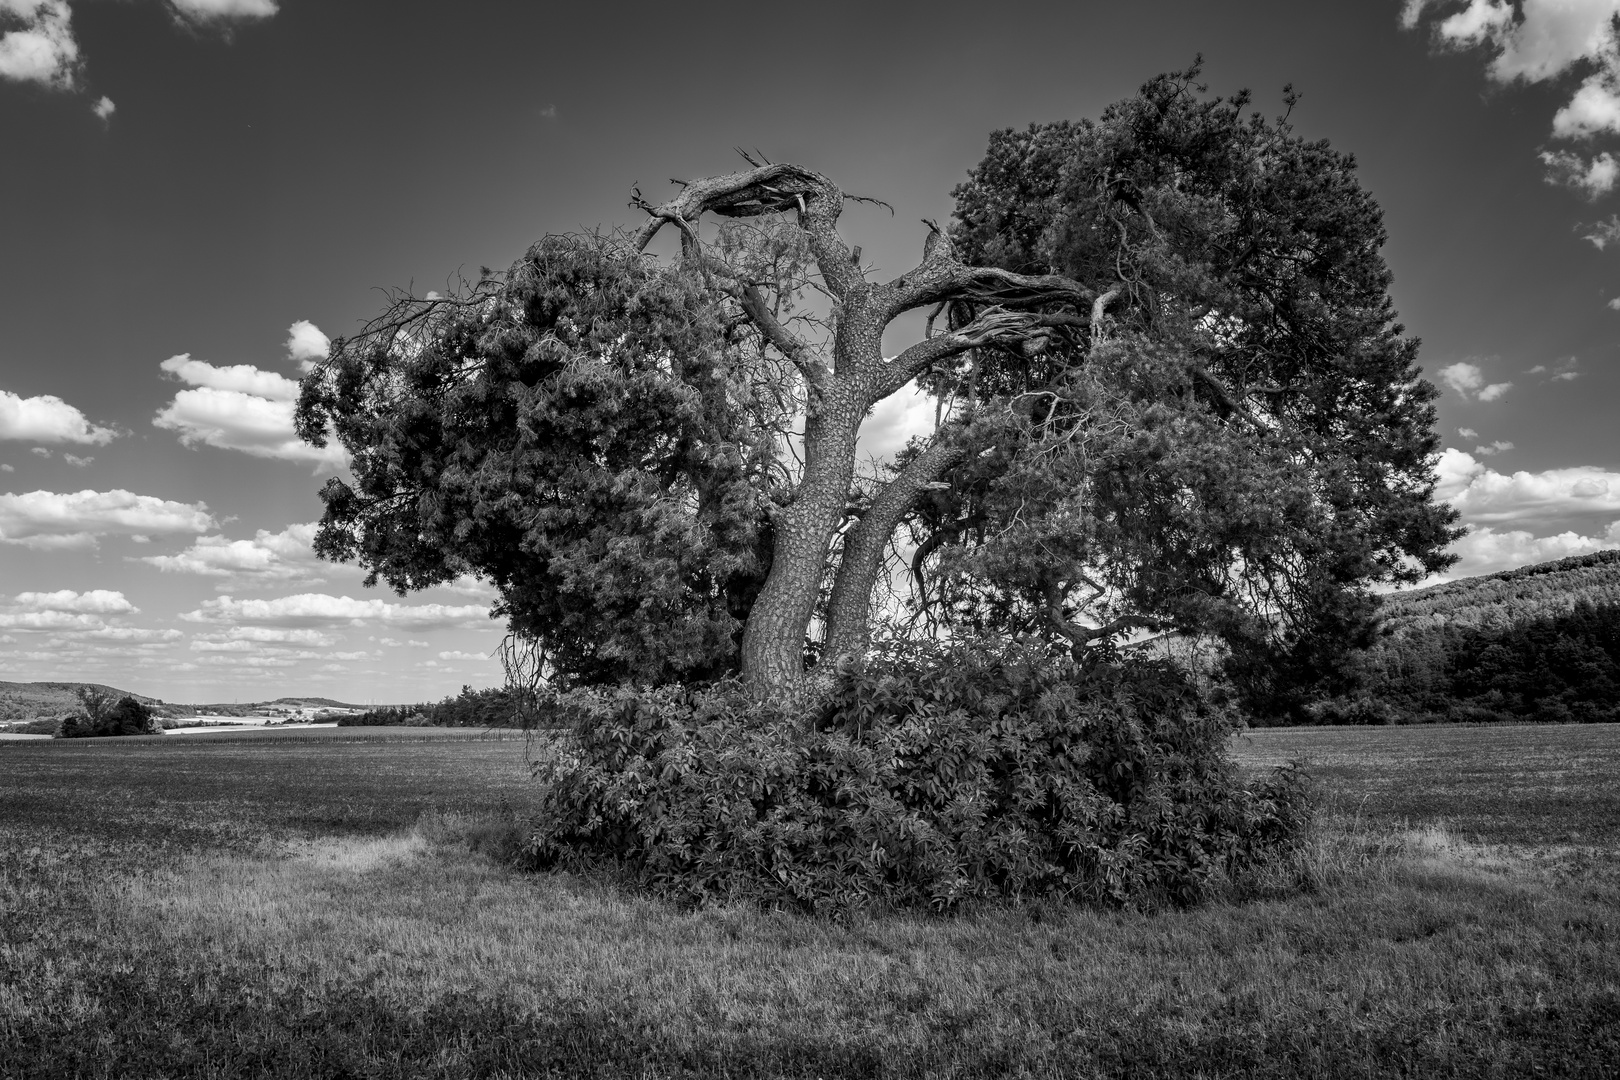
<point>1172,394</point>
<point>106,714</point>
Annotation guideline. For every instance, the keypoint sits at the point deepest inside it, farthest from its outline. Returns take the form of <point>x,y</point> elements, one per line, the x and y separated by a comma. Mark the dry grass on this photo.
<point>360,945</point>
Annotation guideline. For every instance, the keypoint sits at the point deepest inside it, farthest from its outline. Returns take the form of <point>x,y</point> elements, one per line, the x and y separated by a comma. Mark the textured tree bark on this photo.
<point>849,612</point>
<point>841,388</point>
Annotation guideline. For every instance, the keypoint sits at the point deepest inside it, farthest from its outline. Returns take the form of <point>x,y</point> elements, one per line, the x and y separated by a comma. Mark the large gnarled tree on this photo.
<point>1172,394</point>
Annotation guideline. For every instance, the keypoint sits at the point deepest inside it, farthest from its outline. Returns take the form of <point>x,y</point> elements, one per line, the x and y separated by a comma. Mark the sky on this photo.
<point>196,194</point>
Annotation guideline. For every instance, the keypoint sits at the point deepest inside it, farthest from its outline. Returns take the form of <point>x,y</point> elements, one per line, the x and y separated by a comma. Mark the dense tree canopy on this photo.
<point>1172,394</point>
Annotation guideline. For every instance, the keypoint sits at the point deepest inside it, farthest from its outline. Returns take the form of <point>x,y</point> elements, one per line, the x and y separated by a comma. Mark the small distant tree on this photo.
<point>106,714</point>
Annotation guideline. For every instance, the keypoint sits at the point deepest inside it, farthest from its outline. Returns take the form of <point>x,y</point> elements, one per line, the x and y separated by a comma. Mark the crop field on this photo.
<point>335,905</point>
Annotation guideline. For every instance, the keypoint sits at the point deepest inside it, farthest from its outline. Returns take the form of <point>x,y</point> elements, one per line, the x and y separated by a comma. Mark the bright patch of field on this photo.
<point>316,908</point>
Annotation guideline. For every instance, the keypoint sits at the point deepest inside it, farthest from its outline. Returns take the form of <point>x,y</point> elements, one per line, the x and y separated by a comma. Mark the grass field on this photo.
<point>270,905</point>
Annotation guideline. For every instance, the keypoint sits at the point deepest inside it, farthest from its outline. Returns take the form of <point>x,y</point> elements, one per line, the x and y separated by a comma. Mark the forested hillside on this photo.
<point>29,701</point>
<point>1509,598</point>
<point>1538,643</point>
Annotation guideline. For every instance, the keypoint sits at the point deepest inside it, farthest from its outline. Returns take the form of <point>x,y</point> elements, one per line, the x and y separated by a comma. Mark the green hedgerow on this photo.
<point>928,777</point>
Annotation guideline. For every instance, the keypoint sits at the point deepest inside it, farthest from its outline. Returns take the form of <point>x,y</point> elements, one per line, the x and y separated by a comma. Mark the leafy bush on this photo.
<point>104,716</point>
<point>927,778</point>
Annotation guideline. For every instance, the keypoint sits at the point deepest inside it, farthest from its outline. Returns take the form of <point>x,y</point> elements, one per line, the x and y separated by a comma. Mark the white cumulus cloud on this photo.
<point>306,344</point>
<point>47,418</point>
<point>104,108</point>
<point>269,558</point>
<point>321,609</point>
<point>41,47</point>
<point>1485,550</point>
<point>1487,497</point>
<point>240,408</point>
<point>63,519</point>
<point>96,601</point>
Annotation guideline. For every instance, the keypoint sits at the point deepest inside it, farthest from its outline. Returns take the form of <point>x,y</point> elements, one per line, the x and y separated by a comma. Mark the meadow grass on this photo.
<point>320,908</point>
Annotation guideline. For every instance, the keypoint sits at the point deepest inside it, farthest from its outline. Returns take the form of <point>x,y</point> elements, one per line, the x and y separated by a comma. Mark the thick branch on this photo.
<point>769,189</point>
<point>1226,397</point>
<point>786,342</point>
<point>995,326</point>
<point>849,609</point>
<point>1081,636</point>
<point>942,278</point>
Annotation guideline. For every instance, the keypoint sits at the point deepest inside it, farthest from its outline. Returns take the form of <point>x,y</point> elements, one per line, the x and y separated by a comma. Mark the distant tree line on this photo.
<point>492,708</point>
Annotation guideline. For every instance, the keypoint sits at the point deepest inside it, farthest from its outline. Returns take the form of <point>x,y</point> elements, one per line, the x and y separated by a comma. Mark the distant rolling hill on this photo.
<point>29,701</point>
<point>1537,643</point>
<point>1508,598</point>
<point>36,700</point>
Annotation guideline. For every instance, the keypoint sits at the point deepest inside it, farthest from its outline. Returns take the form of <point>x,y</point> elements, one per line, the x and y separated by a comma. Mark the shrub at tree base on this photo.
<point>928,779</point>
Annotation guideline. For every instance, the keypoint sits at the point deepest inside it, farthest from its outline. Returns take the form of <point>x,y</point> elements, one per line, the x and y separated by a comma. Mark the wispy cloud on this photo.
<point>205,12</point>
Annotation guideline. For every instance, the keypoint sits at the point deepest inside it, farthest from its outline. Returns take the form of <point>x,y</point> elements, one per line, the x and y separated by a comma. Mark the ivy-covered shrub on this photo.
<point>928,778</point>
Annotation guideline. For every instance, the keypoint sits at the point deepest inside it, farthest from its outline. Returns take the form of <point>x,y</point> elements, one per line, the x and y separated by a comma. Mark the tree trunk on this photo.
<point>849,624</point>
<point>774,638</point>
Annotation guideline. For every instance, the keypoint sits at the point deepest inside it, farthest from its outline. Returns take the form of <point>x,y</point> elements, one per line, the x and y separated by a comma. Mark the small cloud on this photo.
<point>8,468</point>
<point>47,418</point>
<point>76,461</point>
<point>1603,233</point>
<point>1566,376</point>
<point>306,344</point>
<point>549,112</point>
<point>1468,433</point>
<point>104,108</point>
<point>1496,447</point>
<point>1537,370</point>
<point>1592,178</point>
<point>457,654</point>
<point>203,12</point>
<point>1468,381</point>
<point>433,294</point>
<point>40,451</point>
